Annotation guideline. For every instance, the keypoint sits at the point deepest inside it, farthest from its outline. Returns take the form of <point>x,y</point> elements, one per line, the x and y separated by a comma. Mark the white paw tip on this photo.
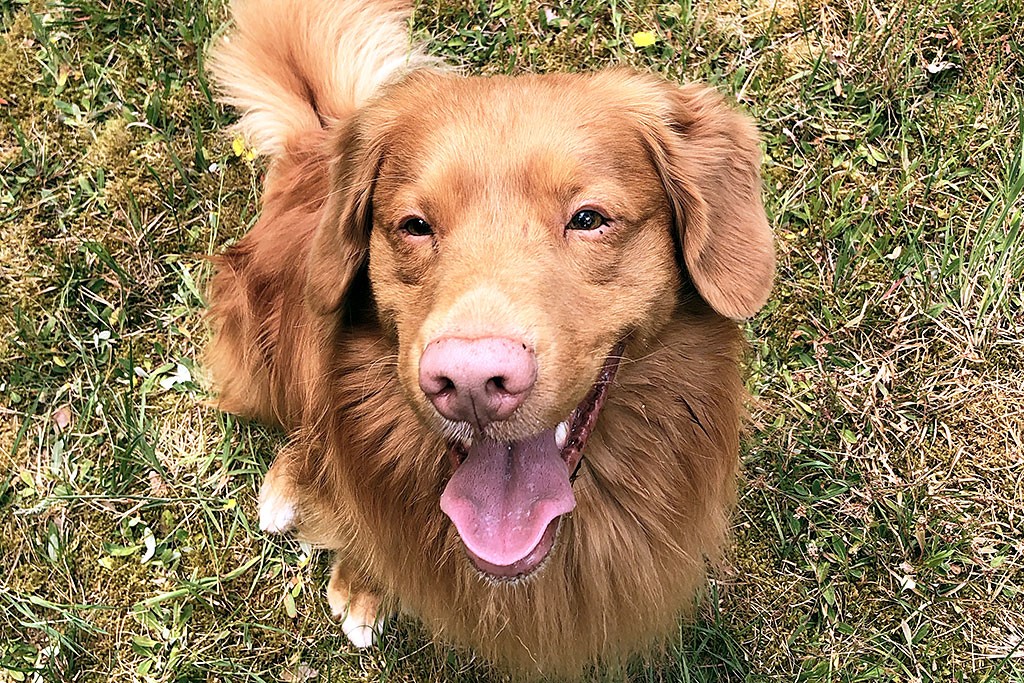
<point>359,633</point>
<point>277,515</point>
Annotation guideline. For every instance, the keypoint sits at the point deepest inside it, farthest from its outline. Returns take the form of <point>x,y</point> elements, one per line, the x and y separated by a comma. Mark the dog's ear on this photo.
<point>342,240</point>
<point>708,157</point>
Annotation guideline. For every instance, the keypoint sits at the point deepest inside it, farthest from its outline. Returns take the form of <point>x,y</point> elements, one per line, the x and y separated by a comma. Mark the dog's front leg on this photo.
<point>356,604</point>
<point>278,501</point>
<point>359,609</point>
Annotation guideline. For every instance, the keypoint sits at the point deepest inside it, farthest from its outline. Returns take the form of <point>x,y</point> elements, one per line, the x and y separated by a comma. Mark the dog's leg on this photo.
<point>359,611</point>
<point>278,509</point>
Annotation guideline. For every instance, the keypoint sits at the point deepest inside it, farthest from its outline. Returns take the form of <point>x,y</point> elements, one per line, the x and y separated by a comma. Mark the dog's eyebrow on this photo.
<point>568,193</point>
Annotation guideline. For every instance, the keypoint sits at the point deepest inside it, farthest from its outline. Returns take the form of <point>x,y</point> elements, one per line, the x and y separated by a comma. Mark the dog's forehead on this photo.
<point>557,135</point>
<point>499,118</point>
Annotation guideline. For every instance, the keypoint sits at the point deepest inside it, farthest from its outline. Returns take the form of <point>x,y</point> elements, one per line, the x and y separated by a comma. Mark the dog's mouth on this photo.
<point>507,499</point>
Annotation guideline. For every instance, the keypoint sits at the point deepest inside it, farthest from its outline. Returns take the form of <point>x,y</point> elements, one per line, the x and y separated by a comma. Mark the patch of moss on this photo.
<point>113,141</point>
<point>757,596</point>
<point>14,54</point>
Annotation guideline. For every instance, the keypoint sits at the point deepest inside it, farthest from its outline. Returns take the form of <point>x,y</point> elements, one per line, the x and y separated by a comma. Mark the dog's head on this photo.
<point>517,231</point>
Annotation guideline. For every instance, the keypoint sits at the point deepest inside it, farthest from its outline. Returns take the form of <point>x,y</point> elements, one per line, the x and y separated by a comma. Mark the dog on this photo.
<point>499,319</point>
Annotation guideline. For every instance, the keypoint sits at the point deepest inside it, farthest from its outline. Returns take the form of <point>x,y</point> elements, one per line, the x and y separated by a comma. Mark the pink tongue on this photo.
<point>503,496</point>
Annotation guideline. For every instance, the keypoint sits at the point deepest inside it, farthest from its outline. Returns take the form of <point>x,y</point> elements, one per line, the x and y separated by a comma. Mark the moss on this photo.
<point>754,575</point>
<point>111,146</point>
<point>15,56</point>
<point>16,261</point>
<point>984,423</point>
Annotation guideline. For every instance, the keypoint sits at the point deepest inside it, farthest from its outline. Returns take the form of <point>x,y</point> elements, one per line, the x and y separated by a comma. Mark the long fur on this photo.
<point>364,466</point>
<point>293,67</point>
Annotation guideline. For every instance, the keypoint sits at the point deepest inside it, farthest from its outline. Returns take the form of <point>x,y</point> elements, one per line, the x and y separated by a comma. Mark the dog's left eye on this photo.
<point>587,219</point>
<point>417,227</point>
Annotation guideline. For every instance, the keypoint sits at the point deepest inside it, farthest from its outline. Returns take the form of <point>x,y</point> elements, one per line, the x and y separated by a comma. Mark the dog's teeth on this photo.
<point>561,434</point>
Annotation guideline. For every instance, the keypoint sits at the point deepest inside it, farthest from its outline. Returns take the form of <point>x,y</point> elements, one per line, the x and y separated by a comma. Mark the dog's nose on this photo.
<point>477,380</point>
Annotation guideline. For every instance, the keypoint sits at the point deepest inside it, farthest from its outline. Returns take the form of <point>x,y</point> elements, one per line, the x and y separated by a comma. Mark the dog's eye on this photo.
<point>587,219</point>
<point>417,227</point>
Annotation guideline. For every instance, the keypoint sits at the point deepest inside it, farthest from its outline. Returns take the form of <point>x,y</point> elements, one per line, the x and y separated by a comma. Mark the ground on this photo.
<point>880,530</point>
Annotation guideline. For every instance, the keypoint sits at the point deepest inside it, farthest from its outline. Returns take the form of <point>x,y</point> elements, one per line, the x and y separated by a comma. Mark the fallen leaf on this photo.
<point>157,487</point>
<point>289,605</point>
<point>62,417</point>
<point>299,674</point>
<point>181,374</point>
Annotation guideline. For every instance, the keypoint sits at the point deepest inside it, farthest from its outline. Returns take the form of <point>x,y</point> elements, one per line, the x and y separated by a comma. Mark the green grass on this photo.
<point>880,533</point>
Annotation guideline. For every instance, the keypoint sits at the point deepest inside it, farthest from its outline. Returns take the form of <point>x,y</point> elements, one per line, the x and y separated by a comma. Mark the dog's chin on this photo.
<point>507,497</point>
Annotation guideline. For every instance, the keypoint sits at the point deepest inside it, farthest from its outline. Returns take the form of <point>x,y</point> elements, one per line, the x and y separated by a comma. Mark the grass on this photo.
<point>880,533</point>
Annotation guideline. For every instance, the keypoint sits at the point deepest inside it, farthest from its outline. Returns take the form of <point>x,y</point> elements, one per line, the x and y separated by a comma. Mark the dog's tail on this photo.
<point>294,66</point>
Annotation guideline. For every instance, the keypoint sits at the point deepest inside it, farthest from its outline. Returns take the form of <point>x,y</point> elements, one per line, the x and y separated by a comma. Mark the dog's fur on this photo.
<point>322,310</point>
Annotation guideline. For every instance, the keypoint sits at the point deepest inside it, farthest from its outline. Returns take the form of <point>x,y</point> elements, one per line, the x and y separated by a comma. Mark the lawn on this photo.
<point>880,530</point>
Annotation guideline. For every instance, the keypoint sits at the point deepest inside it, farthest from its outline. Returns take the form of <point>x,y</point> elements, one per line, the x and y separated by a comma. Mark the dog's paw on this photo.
<point>360,633</point>
<point>359,613</point>
<point>278,513</point>
<point>277,516</point>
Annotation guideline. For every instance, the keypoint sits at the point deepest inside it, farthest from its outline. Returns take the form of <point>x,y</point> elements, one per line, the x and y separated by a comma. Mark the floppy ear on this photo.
<point>342,240</point>
<point>708,158</point>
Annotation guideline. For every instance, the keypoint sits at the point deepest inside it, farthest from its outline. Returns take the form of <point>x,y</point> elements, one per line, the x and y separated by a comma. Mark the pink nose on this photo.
<point>477,380</point>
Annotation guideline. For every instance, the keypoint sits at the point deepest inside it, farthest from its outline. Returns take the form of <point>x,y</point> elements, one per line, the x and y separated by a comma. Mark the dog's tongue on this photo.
<point>503,496</point>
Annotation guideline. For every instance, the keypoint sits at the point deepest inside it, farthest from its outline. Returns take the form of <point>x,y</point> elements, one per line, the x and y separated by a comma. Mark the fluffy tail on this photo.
<point>293,66</point>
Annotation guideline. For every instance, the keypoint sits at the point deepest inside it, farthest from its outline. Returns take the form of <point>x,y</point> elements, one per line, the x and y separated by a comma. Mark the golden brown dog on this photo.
<point>497,316</point>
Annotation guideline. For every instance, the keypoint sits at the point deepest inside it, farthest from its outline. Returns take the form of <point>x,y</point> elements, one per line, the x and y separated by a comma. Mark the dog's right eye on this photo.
<point>417,227</point>
<point>586,220</point>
